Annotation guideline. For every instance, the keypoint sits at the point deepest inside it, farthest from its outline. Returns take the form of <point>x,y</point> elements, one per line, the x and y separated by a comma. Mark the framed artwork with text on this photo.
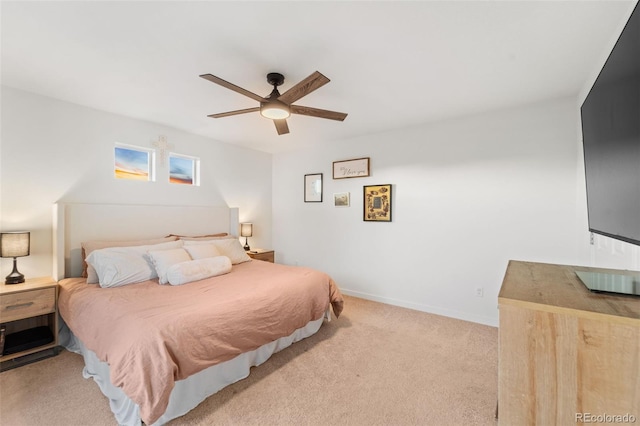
<point>358,167</point>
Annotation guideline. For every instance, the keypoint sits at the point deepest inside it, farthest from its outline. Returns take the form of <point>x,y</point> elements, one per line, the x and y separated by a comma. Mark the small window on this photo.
<point>134,163</point>
<point>184,170</point>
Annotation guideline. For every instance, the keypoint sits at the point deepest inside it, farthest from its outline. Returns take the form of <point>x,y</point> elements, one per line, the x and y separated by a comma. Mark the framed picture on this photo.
<point>313,188</point>
<point>377,203</point>
<point>134,163</point>
<point>341,199</point>
<point>358,167</point>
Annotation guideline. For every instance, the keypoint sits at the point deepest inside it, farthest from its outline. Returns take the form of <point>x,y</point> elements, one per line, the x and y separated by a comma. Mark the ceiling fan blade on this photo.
<point>281,126</point>
<point>306,86</point>
<point>224,83</point>
<point>315,112</point>
<point>236,112</point>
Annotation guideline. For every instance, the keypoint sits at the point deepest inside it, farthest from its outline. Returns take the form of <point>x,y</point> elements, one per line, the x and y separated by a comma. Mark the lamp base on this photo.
<point>246,245</point>
<point>14,277</point>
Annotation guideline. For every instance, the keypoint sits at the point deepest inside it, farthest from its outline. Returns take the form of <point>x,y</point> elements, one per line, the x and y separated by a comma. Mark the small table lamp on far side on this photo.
<point>14,244</point>
<point>246,230</point>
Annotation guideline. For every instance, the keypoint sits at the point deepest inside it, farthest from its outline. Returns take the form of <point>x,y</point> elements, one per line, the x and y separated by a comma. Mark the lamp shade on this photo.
<point>246,229</point>
<point>14,244</point>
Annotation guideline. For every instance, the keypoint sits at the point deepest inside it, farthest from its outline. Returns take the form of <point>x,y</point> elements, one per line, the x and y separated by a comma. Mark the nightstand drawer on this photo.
<point>27,304</point>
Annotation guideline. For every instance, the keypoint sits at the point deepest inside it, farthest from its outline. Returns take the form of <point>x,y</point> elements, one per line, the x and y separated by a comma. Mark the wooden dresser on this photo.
<point>566,355</point>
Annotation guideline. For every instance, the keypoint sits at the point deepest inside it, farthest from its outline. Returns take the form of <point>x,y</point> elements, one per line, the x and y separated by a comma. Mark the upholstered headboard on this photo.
<point>75,223</point>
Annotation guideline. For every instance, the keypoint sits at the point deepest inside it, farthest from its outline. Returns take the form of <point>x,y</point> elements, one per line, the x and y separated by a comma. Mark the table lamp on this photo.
<point>246,230</point>
<point>14,244</point>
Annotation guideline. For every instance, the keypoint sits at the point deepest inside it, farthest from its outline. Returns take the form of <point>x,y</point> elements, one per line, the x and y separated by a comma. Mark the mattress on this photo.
<point>154,336</point>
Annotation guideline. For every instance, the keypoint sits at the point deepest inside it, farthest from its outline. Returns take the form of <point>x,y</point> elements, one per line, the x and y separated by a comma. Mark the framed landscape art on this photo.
<point>341,199</point>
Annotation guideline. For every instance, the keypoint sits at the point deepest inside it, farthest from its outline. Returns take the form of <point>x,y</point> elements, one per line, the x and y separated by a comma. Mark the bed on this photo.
<point>157,351</point>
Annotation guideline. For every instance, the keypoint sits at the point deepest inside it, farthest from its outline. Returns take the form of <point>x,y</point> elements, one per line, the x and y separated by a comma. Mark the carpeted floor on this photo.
<point>375,365</point>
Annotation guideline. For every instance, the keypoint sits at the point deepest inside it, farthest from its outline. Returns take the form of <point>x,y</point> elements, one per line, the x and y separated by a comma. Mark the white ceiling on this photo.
<point>391,64</point>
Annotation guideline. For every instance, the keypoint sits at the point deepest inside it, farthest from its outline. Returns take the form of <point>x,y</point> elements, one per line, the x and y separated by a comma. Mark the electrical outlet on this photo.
<point>479,292</point>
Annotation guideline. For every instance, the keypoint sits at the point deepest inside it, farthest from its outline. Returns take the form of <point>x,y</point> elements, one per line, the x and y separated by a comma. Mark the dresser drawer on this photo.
<point>27,304</point>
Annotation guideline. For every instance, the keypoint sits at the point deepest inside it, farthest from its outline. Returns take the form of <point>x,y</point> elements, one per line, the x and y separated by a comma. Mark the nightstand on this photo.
<point>259,254</point>
<point>29,314</point>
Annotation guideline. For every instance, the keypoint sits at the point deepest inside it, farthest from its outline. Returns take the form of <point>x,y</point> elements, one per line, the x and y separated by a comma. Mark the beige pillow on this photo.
<point>163,259</point>
<point>201,237</point>
<point>89,246</point>
<point>202,251</point>
<point>230,247</point>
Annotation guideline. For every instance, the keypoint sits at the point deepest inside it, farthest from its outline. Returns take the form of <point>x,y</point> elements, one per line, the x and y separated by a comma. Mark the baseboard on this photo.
<point>493,322</point>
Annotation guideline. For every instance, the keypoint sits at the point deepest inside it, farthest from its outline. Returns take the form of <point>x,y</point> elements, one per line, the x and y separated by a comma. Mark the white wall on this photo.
<point>56,151</point>
<point>468,195</point>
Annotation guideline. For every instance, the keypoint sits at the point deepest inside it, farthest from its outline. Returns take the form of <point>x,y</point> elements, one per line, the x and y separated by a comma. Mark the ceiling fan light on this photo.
<point>274,111</point>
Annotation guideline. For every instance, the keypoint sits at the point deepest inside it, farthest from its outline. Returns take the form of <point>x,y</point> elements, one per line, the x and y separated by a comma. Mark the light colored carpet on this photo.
<point>376,365</point>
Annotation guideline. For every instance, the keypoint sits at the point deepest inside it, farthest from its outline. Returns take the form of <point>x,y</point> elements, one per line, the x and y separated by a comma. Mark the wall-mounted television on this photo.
<point>611,140</point>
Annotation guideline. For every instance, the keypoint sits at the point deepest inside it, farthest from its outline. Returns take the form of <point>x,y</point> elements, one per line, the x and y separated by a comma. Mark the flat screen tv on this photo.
<point>611,140</point>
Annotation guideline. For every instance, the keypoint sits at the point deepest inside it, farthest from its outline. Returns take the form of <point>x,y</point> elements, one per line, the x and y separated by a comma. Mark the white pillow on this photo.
<point>117,266</point>
<point>163,259</point>
<point>90,246</point>
<point>230,247</point>
<point>195,270</point>
<point>200,251</point>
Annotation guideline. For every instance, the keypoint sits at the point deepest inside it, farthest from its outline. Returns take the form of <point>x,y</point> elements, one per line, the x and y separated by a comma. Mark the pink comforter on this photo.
<point>152,335</point>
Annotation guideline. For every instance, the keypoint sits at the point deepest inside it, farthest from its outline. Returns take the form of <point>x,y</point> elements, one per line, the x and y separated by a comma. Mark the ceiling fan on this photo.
<point>276,106</point>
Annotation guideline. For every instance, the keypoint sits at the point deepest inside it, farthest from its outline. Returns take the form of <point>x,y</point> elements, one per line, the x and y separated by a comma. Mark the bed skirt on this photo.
<point>187,393</point>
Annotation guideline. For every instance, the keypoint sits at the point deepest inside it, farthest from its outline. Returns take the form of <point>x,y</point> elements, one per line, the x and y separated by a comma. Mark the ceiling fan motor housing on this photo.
<point>273,108</point>
<point>275,79</point>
